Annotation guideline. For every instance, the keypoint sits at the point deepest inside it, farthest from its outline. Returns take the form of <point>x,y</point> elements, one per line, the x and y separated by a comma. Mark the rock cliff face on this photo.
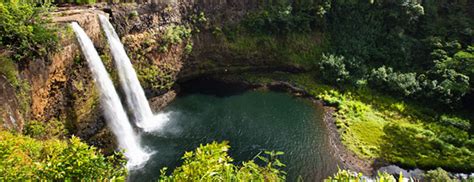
<point>61,86</point>
<point>159,39</point>
<point>10,112</point>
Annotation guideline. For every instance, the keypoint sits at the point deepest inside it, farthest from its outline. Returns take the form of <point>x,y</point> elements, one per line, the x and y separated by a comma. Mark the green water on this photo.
<point>251,121</point>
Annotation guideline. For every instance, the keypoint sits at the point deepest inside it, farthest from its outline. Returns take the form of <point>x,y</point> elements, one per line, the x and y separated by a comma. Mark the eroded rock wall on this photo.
<point>164,40</point>
<point>61,86</point>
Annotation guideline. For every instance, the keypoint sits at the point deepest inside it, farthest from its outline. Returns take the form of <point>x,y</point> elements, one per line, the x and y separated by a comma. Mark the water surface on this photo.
<point>252,121</point>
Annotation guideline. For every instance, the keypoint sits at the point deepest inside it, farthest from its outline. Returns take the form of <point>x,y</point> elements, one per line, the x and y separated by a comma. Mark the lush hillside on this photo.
<point>399,72</point>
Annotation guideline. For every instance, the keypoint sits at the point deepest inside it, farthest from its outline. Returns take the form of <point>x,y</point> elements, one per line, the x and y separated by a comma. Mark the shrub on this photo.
<point>333,69</point>
<point>212,163</point>
<point>23,158</point>
<point>438,175</point>
<point>175,34</point>
<point>42,130</point>
<point>25,30</point>
<point>349,176</point>
<point>404,84</point>
<point>456,122</point>
<point>155,78</point>
<point>35,129</point>
<point>448,87</point>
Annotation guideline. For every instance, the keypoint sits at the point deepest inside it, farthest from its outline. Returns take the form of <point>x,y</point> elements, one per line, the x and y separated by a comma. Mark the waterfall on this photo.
<point>135,96</point>
<point>114,113</point>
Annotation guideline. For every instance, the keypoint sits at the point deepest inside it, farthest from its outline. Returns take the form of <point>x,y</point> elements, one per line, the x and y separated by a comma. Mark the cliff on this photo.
<point>166,42</point>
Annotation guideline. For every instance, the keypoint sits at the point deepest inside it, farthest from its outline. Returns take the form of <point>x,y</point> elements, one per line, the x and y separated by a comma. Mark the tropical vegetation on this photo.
<point>399,72</point>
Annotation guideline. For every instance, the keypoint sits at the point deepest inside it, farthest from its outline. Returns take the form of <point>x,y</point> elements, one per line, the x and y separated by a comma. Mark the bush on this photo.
<point>448,89</point>
<point>175,34</point>
<point>349,176</point>
<point>23,158</point>
<point>456,122</point>
<point>438,175</point>
<point>155,78</point>
<point>24,29</point>
<point>44,130</point>
<point>404,84</point>
<point>212,163</point>
<point>333,69</point>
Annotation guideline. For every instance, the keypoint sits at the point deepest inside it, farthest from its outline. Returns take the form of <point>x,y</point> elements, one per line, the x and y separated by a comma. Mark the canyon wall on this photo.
<point>166,41</point>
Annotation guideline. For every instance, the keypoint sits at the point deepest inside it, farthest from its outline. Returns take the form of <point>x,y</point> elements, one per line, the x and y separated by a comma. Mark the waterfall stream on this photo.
<point>114,112</point>
<point>135,96</point>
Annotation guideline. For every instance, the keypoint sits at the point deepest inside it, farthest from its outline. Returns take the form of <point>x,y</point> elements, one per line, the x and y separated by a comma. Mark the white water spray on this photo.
<point>135,95</point>
<point>114,113</point>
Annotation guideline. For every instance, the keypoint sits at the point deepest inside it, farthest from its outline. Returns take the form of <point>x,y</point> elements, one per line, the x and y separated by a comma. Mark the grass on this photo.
<point>374,125</point>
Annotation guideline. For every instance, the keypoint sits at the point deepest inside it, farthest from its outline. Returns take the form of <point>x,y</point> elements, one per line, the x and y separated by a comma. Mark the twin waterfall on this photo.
<point>114,111</point>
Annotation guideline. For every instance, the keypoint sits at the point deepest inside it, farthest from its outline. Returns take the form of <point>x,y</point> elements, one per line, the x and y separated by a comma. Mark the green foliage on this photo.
<point>84,1</point>
<point>199,21</point>
<point>25,30</point>
<point>333,69</point>
<point>386,79</point>
<point>294,49</point>
<point>360,124</point>
<point>78,2</point>
<point>455,121</point>
<point>44,130</point>
<point>133,14</point>
<point>415,50</point>
<point>349,176</point>
<point>9,70</point>
<point>345,175</point>
<point>427,147</point>
<point>23,158</point>
<point>438,175</point>
<point>212,163</point>
<point>418,51</point>
<point>175,34</point>
<point>448,74</point>
<point>155,78</point>
<point>22,88</point>
<point>284,17</point>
